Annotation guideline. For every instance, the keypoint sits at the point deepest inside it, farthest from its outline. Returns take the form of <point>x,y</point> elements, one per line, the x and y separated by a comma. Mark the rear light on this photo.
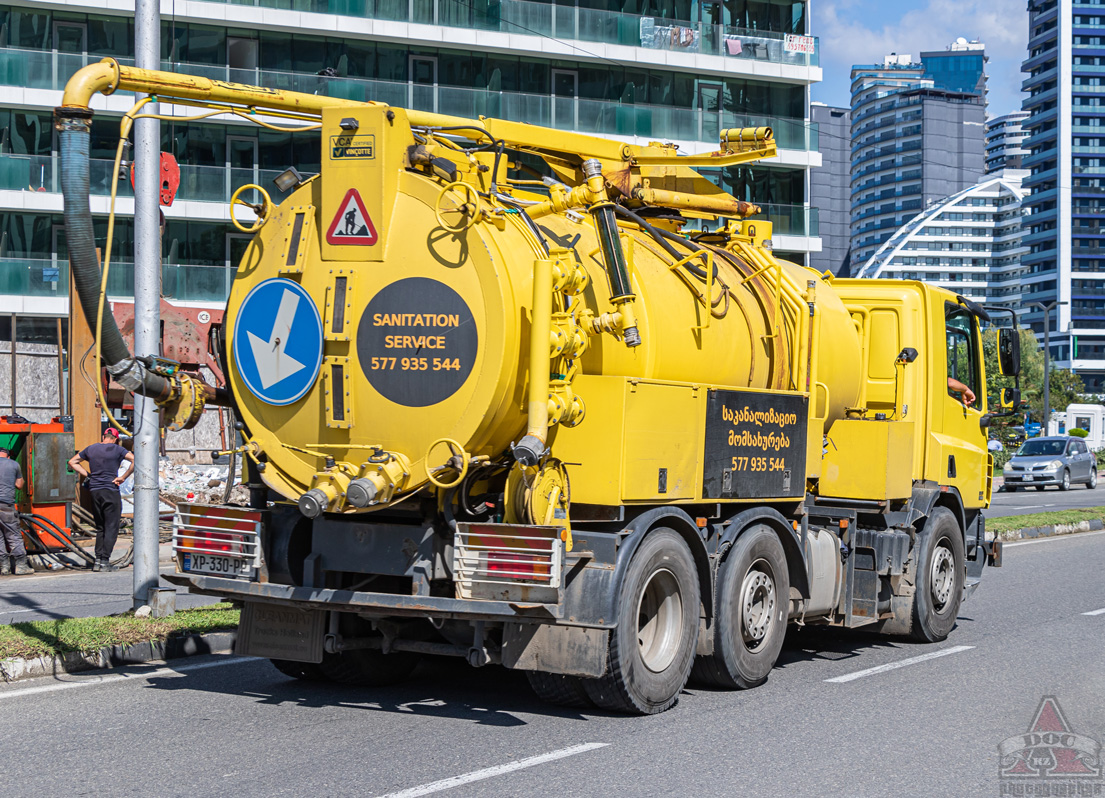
<point>508,562</point>
<point>519,566</point>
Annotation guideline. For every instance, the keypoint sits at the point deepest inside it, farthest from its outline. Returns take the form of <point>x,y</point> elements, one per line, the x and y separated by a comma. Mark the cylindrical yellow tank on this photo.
<point>434,339</point>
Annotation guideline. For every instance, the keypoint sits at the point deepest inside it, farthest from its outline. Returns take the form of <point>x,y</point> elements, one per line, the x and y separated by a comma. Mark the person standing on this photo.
<point>103,481</point>
<point>11,538</point>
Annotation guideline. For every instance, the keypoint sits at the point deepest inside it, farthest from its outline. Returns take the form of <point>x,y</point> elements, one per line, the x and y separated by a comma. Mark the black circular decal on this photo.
<point>417,342</point>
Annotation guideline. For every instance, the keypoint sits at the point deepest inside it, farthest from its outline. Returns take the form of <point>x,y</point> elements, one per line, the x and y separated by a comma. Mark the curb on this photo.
<point>193,645</point>
<point>1052,530</point>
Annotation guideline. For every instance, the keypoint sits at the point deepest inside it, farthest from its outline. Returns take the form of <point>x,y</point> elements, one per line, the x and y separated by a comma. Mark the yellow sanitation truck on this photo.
<point>546,400</point>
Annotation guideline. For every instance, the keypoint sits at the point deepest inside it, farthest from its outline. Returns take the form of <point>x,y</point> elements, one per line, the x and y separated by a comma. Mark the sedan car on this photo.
<point>1058,461</point>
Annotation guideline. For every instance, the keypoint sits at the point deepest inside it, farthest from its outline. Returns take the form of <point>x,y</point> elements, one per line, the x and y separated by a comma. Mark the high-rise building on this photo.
<point>829,187</point>
<point>917,137</point>
<point>632,71</point>
<point>1005,137</point>
<point>1066,155</point>
<point>969,243</point>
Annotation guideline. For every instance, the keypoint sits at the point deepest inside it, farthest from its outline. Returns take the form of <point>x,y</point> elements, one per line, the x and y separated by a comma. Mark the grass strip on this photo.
<point>1010,522</point>
<point>38,638</point>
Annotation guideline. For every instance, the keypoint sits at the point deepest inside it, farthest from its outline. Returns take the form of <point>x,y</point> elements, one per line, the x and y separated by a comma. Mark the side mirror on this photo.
<point>1010,398</point>
<point>1009,352</point>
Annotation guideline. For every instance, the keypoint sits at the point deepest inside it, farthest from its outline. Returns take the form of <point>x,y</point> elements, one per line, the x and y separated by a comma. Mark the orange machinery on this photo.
<point>50,486</point>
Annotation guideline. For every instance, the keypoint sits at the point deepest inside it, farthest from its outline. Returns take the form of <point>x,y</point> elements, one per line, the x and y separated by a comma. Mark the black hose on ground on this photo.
<point>50,528</point>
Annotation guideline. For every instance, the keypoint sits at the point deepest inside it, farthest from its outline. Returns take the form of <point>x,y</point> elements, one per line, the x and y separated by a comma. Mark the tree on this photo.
<point>1066,386</point>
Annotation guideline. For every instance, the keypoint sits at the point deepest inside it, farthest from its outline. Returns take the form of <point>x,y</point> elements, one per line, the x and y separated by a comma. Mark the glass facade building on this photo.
<point>636,71</point>
<point>1066,156</point>
<point>916,137</point>
<point>970,243</point>
<point>1005,136</point>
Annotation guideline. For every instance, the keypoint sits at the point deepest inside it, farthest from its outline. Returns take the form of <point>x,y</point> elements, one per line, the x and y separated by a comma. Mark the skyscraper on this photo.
<point>829,187</point>
<point>1066,156</point>
<point>1005,136</point>
<point>917,137</point>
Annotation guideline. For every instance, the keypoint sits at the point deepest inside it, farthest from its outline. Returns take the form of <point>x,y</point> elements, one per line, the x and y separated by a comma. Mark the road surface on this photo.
<point>1046,500</point>
<point>926,722</point>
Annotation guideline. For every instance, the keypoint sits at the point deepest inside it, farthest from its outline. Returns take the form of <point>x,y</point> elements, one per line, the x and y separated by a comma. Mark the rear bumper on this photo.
<point>378,604</point>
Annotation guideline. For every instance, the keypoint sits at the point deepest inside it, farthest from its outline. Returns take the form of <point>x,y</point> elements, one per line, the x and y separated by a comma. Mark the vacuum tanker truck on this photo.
<point>549,401</point>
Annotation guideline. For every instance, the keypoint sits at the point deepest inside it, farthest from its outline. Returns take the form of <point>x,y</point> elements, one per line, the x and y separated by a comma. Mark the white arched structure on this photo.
<point>968,242</point>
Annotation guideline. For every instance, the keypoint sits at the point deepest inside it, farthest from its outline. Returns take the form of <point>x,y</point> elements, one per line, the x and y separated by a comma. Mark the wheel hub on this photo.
<point>757,604</point>
<point>942,577</point>
<point>659,620</point>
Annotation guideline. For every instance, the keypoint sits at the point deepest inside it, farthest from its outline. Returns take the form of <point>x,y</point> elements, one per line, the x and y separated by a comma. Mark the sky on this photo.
<point>863,31</point>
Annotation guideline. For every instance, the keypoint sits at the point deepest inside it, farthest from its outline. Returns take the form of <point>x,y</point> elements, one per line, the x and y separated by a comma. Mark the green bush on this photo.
<point>1100,454</point>
<point>1078,432</point>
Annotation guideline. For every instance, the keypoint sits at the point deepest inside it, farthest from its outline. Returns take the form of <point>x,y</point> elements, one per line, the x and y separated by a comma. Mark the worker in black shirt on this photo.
<point>11,538</point>
<point>103,484</point>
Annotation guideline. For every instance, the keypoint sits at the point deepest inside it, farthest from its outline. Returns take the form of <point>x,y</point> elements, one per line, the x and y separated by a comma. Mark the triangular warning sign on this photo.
<point>352,225</point>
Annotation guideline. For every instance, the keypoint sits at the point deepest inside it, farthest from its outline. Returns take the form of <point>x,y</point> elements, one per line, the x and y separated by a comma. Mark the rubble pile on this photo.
<point>200,484</point>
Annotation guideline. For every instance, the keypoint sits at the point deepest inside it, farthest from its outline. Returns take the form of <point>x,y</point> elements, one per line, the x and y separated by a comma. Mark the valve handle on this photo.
<point>262,211</point>
<point>469,206</point>
<point>457,451</point>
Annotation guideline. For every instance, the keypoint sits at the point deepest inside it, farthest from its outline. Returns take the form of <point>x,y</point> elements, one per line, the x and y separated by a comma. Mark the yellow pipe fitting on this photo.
<point>378,482</point>
<point>540,331</point>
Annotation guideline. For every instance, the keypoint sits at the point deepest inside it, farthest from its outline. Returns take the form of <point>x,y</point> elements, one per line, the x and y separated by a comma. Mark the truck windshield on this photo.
<point>1041,448</point>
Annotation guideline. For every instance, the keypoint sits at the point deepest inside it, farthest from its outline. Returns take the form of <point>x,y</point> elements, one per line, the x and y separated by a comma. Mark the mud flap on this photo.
<point>556,649</point>
<point>275,632</point>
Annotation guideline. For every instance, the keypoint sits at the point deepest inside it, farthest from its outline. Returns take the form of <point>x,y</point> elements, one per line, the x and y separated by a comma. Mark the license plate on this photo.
<point>219,566</point>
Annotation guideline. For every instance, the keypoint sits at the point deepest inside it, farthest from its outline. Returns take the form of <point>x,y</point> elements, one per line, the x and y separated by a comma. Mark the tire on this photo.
<point>1092,483</point>
<point>940,575</point>
<point>1039,487</point>
<point>1065,484</point>
<point>747,644</point>
<point>559,689</point>
<point>304,671</point>
<point>652,648</point>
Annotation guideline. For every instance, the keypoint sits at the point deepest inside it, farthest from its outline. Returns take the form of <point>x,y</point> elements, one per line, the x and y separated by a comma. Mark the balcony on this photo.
<point>791,220</point>
<point>522,17</point>
<point>200,183</point>
<point>50,279</point>
<point>39,69</point>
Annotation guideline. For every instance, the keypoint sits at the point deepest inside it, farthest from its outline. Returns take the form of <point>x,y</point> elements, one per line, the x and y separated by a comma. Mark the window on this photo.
<point>962,354</point>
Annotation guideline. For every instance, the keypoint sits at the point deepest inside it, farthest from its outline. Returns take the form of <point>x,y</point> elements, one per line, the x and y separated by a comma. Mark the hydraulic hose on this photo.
<point>52,529</point>
<point>73,125</point>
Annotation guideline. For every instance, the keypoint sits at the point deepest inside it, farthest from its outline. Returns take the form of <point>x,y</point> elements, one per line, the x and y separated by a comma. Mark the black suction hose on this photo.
<point>50,528</point>
<point>73,126</point>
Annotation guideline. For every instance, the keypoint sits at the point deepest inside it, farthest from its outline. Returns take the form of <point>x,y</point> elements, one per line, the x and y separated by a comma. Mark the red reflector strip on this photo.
<point>515,565</point>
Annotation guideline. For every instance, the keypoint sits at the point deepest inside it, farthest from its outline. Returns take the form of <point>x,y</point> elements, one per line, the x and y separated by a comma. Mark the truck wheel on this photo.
<point>940,574</point>
<point>652,650</point>
<point>368,667</point>
<point>753,599</point>
<point>306,671</point>
<point>559,688</point>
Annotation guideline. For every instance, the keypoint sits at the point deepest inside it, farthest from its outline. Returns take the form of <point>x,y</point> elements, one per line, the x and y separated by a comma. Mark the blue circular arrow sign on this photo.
<point>278,341</point>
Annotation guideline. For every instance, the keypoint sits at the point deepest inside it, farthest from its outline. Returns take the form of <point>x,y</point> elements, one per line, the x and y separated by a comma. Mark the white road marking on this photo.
<point>1053,538</point>
<point>120,677</point>
<point>1095,612</point>
<point>498,770</point>
<point>900,664</point>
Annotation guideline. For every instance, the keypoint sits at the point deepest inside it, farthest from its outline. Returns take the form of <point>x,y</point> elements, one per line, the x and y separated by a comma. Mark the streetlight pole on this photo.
<point>1046,308</point>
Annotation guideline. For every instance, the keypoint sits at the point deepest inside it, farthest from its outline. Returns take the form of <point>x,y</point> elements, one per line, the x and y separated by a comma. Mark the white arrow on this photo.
<point>273,365</point>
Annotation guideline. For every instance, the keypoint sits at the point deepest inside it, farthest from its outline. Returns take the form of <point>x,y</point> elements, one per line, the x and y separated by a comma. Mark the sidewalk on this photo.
<point>50,595</point>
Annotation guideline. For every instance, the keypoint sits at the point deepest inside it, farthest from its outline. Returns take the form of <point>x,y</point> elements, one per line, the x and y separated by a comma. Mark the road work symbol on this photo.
<point>278,341</point>
<point>352,225</point>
